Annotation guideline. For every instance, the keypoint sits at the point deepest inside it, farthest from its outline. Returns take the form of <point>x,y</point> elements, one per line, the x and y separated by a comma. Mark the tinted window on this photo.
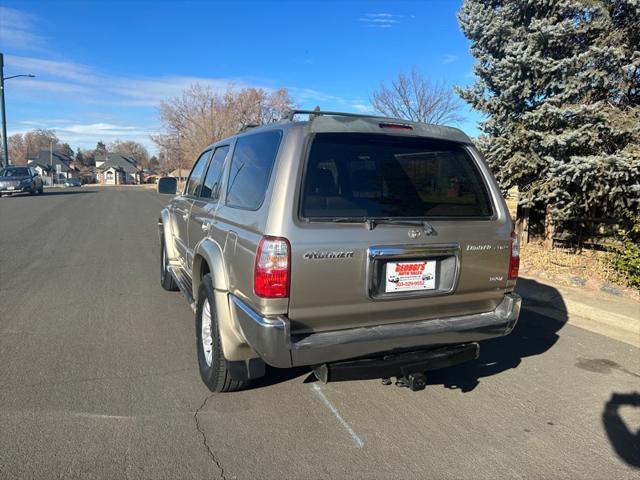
<point>250,169</point>
<point>364,175</point>
<point>14,172</point>
<point>195,179</point>
<point>211,185</point>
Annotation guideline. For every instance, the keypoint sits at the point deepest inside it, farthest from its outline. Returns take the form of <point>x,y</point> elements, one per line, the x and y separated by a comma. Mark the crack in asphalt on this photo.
<point>204,438</point>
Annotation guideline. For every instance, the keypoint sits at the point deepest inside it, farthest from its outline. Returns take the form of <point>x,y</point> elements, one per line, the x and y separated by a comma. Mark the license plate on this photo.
<point>410,276</point>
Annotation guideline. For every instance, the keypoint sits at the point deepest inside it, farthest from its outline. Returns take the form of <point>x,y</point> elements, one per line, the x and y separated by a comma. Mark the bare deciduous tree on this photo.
<point>413,97</point>
<point>131,149</point>
<point>21,146</point>
<point>201,116</point>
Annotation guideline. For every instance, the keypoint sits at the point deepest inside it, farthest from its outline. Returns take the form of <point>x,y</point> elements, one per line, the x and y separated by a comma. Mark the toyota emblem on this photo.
<point>414,233</point>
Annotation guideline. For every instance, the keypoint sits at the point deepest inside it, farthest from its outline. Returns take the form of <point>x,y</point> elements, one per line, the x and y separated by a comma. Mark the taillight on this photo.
<point>514,260</point>
<point>271,273</point>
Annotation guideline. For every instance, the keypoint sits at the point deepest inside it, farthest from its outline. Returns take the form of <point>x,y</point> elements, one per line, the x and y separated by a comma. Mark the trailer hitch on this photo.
<point>414,381</point>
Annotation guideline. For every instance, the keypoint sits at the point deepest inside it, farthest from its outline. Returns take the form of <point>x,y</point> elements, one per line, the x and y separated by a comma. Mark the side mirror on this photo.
<point>168,185</point>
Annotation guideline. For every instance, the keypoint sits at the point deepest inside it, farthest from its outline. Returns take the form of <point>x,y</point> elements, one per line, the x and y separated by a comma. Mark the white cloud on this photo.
<point>16,30</point>
<point>450,58</point>
<point>83,84</point>
<point>86,135</point>
<point>380,20</point>
<point>66,70</point>
<point>361,108</point>
<point>309,96</point>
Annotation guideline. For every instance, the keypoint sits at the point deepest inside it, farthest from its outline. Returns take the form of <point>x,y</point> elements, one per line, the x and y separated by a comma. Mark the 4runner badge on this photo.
<point>323,255</point>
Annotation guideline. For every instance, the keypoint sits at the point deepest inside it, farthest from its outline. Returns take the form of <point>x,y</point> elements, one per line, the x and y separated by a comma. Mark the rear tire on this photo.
<point>166,279</point>
<point>211,361</point>
<point>41,190</point>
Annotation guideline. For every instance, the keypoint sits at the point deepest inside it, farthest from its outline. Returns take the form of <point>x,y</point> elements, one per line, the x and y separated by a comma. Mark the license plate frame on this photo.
<point>446,255</point>
<point>410,276</point>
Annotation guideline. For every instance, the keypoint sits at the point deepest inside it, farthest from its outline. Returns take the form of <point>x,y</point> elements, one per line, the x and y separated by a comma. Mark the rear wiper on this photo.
<point>348,219</point>
<point>372,222</point>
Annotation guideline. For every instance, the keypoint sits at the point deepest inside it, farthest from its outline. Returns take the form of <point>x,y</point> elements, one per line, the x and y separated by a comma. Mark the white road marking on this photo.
<point>356,439</point>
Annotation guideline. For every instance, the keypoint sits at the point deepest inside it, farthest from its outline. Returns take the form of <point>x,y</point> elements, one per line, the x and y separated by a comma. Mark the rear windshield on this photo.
<point>360,175</point>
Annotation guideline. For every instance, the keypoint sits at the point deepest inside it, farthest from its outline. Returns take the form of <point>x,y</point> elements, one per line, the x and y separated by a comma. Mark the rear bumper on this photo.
<point>271,337</point>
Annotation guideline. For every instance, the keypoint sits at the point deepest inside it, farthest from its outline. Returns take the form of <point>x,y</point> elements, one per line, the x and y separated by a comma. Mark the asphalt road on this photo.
<point>98,379</point>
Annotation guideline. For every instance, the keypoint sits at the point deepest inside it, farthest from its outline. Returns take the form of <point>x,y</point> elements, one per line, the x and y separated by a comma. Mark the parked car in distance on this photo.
<point>20,179</point>
<point>72,182</point>
<point>338,243</point>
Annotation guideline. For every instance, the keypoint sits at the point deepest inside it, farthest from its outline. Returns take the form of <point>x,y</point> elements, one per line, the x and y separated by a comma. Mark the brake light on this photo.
<point>396,126</point>
<point>514,260</point>
<point>271,274</point>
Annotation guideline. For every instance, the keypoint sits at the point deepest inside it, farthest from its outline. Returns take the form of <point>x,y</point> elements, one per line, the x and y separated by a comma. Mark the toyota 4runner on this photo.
<point>364,247</point>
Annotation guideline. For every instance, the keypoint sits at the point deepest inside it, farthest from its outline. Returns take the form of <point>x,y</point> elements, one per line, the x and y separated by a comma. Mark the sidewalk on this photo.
<point>617,317</point>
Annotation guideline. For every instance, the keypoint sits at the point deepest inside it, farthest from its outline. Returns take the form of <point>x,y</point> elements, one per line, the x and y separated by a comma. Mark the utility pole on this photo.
<point>51,160</point>
<point>5,145</point>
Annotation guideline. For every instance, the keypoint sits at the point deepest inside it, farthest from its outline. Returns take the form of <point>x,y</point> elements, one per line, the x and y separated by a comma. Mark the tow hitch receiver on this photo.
<point>407,367</point>
<point>415,381</point>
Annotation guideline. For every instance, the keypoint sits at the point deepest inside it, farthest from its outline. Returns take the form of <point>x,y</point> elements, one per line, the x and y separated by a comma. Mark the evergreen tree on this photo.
<point>100,152</point>
<point>80,157</point>
<point>559,83</point>
<point>65,149</point>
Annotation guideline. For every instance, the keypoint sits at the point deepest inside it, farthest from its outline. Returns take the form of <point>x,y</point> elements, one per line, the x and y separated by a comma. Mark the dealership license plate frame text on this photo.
<point>410,276</point>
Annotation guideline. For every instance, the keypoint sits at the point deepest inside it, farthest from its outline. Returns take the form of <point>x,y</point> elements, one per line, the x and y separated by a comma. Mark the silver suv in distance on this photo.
<point>364,247</point>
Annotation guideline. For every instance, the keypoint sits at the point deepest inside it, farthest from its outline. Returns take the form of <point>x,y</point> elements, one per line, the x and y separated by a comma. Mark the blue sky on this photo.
<point>103,67</point>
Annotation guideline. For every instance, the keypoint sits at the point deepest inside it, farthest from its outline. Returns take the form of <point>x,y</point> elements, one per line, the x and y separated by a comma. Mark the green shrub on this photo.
<point>625,258</point>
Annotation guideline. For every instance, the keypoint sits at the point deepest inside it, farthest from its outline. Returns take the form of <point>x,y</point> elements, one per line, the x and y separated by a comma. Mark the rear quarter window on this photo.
<point>361,175</point>
<point>250,169</point>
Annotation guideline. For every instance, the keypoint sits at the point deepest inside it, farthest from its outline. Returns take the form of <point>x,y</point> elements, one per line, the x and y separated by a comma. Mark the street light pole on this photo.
<point>5,145</point>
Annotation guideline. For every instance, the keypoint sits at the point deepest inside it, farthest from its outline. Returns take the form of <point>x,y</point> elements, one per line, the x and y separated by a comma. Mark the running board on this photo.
<point>183,280</point>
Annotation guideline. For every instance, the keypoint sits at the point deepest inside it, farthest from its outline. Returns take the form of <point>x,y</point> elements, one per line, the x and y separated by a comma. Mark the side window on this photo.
<point>211,185</point>
<point>250,170</point>
<point>195,179</point>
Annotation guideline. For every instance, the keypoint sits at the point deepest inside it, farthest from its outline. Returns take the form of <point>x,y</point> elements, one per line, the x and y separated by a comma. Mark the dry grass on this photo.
<point>561,265</point>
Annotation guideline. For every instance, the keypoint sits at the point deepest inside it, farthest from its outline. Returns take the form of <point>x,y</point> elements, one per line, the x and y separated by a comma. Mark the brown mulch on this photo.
<point>588,268</point>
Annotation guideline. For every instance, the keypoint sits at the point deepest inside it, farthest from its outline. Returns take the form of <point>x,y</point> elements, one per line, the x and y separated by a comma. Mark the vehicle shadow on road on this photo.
<point>67,192</point>
<point>625,442</point>
<point>47,193</point>
<point>535,333</point>
<point>280,375</point>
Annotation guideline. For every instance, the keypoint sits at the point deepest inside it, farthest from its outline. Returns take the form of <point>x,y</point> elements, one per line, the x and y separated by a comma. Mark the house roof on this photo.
<point>45,159</point>
<point>179,172</point>
<point>117,161</point>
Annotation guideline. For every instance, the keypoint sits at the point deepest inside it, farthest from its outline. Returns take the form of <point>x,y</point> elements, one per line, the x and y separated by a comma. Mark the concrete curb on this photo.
<point>614,317</point>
